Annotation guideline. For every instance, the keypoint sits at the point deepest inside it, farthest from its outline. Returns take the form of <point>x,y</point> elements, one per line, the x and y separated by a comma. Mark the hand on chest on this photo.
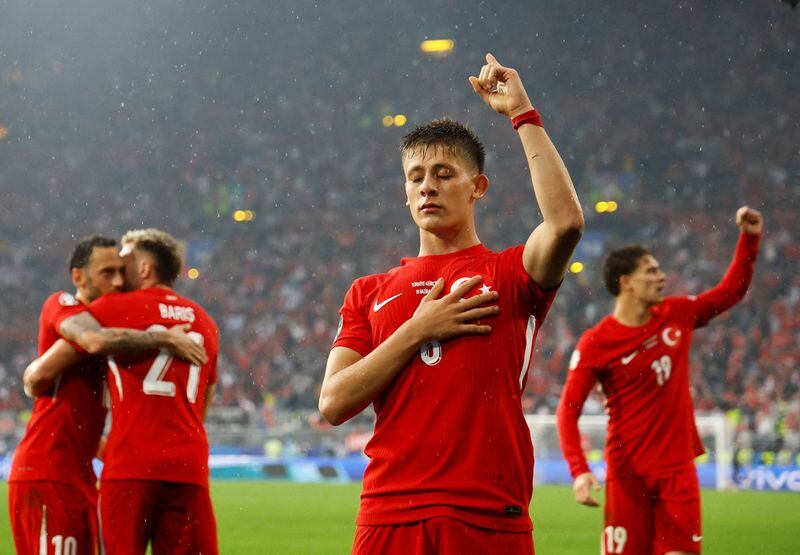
<point>397,298</point>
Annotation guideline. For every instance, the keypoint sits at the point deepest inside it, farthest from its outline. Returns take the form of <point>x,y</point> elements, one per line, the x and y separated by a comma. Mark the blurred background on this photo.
<point>266,138</point>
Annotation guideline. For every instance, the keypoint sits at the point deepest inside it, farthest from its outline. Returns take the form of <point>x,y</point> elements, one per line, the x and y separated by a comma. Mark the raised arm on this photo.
<point>733,286</point>
<point>353,381</point>
<point>84,330</point>
<point>549,248</point>
<point>580,380</point>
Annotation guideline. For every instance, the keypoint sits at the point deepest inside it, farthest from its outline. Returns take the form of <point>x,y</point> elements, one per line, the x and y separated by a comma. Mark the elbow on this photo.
<point>32,383</point>
<point>571,230</point>
<point>570,223</point>
<point>332,412</point>
<point>95,345</point>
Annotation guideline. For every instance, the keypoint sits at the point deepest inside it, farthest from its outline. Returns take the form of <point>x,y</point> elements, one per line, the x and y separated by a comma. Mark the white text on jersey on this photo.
<point>174,312</point>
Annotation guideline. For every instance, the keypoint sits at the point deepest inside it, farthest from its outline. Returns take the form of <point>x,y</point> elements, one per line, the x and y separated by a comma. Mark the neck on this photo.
<point>82,297</point>
<point>631,312</point>
<point>447,242</point>
<point>150,283</point>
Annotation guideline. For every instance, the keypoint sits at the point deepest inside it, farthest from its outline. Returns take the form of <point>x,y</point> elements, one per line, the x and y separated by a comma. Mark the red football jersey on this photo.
<point>644,373</point>
<point>450,438</point>
<point>66,423</point>
<point>157,401</point>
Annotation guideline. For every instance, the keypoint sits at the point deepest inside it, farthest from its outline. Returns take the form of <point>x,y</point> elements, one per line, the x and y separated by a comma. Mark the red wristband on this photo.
<point>531,116</point>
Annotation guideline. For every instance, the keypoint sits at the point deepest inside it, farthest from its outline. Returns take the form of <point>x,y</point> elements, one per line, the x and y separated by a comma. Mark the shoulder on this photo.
<point>61,302</point>
<point>671,305</point>
<point>199,311</point>
<point>595,338</point>
<point>364,285</point>
<point>112,299</point>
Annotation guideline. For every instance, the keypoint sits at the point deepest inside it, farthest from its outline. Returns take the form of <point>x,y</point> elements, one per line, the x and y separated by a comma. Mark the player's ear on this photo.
<point>76,274</point>
<point>147,268</point>
<point>624,280</point>
<point>480,185</point>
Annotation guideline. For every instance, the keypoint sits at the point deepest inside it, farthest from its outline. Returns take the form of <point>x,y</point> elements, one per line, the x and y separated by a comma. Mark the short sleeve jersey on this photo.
<point>450,438</point>
<point>66,423</point>
<point>157,401</point>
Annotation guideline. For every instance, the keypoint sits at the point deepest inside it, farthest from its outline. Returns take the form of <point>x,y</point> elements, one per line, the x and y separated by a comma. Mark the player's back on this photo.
<point>157,401</point>
<point>66,422</point>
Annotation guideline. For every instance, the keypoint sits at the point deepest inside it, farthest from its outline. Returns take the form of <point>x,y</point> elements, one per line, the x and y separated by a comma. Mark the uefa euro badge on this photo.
<point>67,299</point>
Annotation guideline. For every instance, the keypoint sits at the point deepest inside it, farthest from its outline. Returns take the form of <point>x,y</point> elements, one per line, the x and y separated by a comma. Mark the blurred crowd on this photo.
<point>679,113</point>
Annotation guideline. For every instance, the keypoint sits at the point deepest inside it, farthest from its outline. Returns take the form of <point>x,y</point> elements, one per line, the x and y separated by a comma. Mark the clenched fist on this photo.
<point>749,220</point>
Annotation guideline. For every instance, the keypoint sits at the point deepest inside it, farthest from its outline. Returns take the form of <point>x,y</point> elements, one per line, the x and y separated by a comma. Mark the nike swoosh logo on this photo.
<point>696,538</point>
<point>380,305</point>
<point>627,359</point>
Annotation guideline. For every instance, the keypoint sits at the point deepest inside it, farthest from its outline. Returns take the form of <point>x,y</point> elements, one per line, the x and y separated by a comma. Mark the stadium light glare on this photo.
<point>612,206</point>
<point>576,267</point>
<point>388,121</point>
<point>239,216</point>
<point>249,215</point>
<point>193,273</point>
<point>601,207</point>
<point>437,46</point>
<point>400,120</point>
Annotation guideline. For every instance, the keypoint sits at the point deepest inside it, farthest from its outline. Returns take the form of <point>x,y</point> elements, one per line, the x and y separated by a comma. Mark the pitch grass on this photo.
<point>264,517</point>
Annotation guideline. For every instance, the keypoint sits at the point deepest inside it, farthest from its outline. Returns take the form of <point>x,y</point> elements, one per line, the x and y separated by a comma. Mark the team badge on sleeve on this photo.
<point>574,359</point>
<point>67,299</point>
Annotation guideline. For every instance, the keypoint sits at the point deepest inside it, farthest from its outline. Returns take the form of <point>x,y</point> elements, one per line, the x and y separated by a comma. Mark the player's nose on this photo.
<point>118,281</point>
<point>428,187</point>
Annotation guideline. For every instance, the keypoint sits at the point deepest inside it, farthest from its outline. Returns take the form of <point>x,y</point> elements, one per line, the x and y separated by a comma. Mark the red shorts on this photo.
<point>440,535</point>
<point>52,518</point>
<point>653,514</point>
<point>176,518</point>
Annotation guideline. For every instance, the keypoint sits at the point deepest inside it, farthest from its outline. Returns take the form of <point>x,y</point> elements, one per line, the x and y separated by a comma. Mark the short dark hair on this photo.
<point>448,133</point>
<point>621,262</point>
<point>83,250</point>
<point>163,247</point>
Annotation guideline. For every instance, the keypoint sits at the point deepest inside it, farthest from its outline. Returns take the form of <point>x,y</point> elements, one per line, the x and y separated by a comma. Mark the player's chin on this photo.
<point>432,223</point>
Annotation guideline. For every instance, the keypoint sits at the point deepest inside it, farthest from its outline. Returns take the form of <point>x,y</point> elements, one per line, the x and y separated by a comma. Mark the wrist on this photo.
<point>531,116</point>
<point>162,339</point>
<point>521,110</point>
<point>412,332</point>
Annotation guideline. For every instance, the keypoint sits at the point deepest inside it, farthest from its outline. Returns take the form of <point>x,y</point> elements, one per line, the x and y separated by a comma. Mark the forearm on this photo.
<point>42,373</point>
<point>569,437</point>
<point>121,341</point>
<point>347,392</point>
<point>552,184</point>
<point>733,286</point>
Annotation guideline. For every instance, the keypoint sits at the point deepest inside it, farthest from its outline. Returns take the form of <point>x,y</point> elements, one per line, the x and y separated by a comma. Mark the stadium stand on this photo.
<point>195,124</point>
